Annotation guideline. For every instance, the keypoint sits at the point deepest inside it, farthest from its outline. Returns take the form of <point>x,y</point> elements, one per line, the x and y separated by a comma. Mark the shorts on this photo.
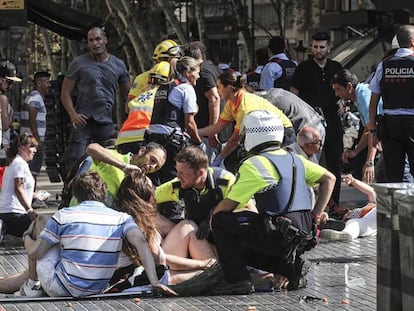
<point>36,164</point>
<point>46,271</point>
<point>15,223</point>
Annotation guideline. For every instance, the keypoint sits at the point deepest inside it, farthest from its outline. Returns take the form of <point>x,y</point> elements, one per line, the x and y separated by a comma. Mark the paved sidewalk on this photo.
<point>343,274</point>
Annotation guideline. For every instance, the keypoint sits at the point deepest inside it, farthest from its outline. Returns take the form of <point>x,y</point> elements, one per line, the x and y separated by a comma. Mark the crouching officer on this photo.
<point>274,238</point>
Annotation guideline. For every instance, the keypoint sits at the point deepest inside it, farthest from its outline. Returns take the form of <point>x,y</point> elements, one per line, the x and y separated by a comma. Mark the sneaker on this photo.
<point>334,235</point>
<point>299,278</point>
<point>30,291</point>
<point>39,204</point>
<point>359,212</point>
<point>238,288</point>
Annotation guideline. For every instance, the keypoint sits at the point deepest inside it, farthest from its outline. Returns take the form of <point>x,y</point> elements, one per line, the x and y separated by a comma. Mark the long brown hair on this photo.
<point>135,193</point>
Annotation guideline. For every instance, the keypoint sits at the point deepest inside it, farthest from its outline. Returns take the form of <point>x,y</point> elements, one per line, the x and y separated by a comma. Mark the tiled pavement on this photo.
<point>343,274</point>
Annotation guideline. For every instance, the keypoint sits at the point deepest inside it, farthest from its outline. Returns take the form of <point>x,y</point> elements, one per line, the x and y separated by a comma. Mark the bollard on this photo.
<point>389,295</point>
<point>405,205</point>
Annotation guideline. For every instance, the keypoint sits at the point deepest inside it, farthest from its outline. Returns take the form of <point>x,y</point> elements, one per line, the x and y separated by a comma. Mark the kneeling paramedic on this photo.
<point>284,227</point>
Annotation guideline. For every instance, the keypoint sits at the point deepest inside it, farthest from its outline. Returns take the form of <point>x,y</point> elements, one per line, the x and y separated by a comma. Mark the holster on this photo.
<point>291,239</point>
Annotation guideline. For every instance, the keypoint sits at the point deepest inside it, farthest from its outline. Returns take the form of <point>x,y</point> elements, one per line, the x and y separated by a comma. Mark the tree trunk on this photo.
<point>48,51</point>
<point>168,10</point>
<point>244,33</point>
<point>201,25</point>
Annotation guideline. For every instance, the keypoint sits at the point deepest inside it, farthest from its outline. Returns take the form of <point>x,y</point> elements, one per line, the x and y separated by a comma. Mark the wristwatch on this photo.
<point>369,163</point>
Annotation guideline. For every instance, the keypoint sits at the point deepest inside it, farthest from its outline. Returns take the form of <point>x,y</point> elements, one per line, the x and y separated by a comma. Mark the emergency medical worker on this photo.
<point>394,82</point>
<point>274,238</point>
<point>239,102</point>
<point>165,51</point>
<point>175,106</point>
<point>197,189</point>
<point>131,135</point>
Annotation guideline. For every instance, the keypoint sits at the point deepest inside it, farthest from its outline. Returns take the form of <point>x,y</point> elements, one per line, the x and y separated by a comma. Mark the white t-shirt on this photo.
<point>18,168</point>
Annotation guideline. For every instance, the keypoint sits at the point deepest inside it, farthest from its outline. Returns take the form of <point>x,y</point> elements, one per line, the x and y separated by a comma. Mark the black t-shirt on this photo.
<point>314,86</point>
<point>208,80</point>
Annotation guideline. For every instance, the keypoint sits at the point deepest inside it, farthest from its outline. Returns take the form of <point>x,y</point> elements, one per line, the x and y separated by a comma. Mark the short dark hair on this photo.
<point>261,56</point>
<point>195,49</point>
<point>89,186</point>
<point>321,36</point>
<point>39,75</point>
<point>152,146</point>
<point>277,44</point>
<point>231,78</point>
<point>194,156</point>
<point>343,76</point>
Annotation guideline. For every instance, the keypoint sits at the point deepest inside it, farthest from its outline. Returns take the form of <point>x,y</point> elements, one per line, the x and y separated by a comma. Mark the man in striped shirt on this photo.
<point>77,251</point>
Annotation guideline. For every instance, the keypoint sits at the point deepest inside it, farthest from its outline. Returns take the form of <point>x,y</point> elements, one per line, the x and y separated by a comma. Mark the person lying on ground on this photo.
<point>359,222</point>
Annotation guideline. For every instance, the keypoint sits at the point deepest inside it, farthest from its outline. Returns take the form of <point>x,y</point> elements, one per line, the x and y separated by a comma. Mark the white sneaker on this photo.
<point>30,291</point>
<point>333,235</point>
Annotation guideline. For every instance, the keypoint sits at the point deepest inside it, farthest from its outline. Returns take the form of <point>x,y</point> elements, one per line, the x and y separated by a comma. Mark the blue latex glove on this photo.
<point>217,161</point>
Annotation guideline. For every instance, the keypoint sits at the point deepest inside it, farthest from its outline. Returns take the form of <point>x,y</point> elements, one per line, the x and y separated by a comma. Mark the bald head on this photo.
<point>308,134</point>
<point>405,36</point>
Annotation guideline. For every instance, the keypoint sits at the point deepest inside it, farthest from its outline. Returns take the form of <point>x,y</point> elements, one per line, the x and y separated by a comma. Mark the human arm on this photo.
<point>36,249</point>
<point>68,86</point>
<point>101,154</point>
<point>191,128</point>
<point>373,106</point>
<point>213,99</point>
<point>326,185</point>
<point>19,192</point>
<point>213,128</point>
<point>6,113</point>
<point>137,239</point>
<point>32,123</point>
<point>361,186</point>
<point>231,144</point>
<point>123,91</point>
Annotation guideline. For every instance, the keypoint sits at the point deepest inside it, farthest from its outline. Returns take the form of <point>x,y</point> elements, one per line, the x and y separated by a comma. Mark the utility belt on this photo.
<point>175,140</point>
<point>290,239</point>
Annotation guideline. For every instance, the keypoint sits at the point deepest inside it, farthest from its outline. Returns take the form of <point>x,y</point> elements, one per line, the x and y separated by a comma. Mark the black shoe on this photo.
<point>299,279</point>
<point>238,288</point>
<point>333,224</point>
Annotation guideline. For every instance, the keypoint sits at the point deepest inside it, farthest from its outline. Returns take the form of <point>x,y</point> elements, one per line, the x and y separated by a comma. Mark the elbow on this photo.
<point>90,149</point>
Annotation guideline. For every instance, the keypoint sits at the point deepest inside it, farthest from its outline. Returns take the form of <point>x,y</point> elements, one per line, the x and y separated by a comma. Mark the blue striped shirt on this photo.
<point>90,237</point>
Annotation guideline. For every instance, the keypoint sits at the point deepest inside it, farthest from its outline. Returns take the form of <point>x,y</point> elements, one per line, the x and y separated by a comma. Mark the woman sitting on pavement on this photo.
<point>185,259</point>
<point>359,222</point>
<point>17,193</point>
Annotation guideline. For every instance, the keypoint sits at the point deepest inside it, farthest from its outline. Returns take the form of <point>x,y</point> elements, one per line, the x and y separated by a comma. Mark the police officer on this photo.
<point>274,238</point>
<point>197,189</point>
<point>394,82</point>
<point>279,70</point>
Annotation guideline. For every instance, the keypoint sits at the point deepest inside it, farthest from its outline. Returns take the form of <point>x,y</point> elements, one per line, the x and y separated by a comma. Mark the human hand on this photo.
<point>203,229</point>
<point>348,154</point>
<point>368,173</point>
<point>213,141</point>
<point>130,168</point>
<point>32,214</point>
<point>348,179</point>
<point>160,289</point>
<point>78,120</point>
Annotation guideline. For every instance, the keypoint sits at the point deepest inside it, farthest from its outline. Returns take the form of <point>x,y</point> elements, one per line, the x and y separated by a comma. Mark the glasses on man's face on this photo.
<point>316,142</point>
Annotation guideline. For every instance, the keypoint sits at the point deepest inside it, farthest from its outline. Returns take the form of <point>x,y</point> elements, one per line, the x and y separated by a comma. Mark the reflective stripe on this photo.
<point>265,173</point>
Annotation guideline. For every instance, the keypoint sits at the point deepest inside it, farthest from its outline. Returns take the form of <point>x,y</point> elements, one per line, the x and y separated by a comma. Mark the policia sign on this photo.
<point>13,13</point>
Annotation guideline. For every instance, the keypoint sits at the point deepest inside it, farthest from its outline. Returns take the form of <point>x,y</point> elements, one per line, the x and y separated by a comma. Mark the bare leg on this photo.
<point>38,224</point>
<point>164,225</point>
<point>181,244</point>
<point>177,277</point>
<point>12,283</point>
